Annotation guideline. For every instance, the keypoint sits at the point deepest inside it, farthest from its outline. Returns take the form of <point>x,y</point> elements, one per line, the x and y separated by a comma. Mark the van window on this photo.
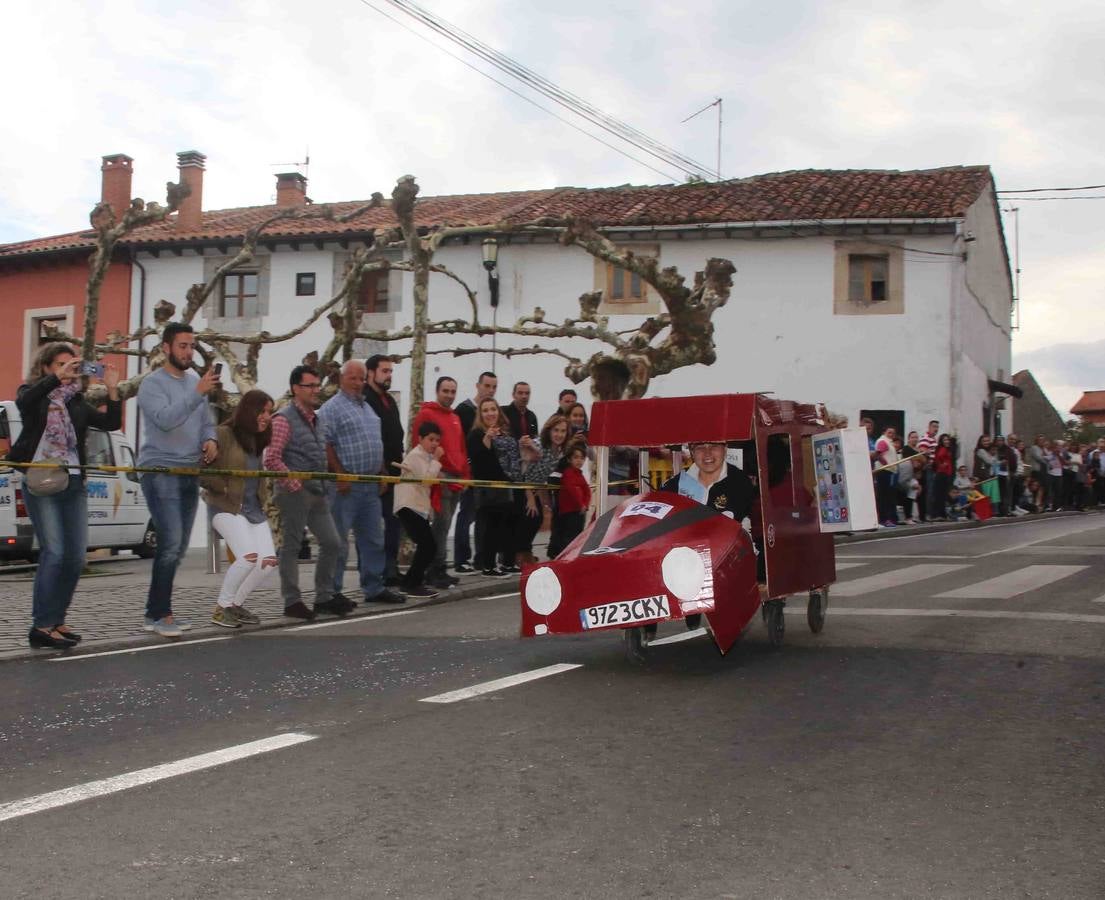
<point>126,458</point>
<point>97,447</point>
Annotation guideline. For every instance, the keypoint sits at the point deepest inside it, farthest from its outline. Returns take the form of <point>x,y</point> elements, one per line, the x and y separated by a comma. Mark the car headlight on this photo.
<point>543,591</point>
<point>684,572</point>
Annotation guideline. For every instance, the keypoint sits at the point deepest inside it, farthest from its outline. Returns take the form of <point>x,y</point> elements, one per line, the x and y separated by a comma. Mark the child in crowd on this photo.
<point>959,505</point>
<point>573,500</point>
<point>963,480</point>
<point>414,509</point>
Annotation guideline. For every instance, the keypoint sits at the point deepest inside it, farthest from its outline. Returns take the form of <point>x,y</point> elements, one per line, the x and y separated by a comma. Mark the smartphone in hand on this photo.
<point>218,369</point>
<point>92,369</point>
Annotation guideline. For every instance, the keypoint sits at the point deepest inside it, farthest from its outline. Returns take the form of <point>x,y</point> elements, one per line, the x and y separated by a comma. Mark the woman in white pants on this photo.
<point>239,508</point>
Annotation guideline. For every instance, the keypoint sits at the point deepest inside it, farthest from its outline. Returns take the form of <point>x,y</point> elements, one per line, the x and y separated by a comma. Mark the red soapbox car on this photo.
<point>659,556</point>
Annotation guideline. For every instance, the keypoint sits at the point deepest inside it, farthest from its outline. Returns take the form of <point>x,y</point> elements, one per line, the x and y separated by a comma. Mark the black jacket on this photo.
<point>33,401</point>
<point>734,493</point>
<point>514,416</point>
<point>391,428</point>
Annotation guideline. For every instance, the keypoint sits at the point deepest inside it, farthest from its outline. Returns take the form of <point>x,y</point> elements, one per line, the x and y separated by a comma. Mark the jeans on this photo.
<point>299,510</point>
<point>462,541</point>
<point>391,532</point>
<point>360,510</point>
<point>419,531</point>
<point>440,528</point>
<point>244,538</point>
<point>172,500</point>
<point>494,536</point>
<point>61,525</point>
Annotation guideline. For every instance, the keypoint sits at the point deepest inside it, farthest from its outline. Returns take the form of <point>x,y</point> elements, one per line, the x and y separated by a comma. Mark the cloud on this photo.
<point>1066,370</point>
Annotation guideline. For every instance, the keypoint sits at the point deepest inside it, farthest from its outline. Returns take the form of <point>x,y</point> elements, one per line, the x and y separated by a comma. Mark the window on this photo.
<point>623,286</point>
<point>97,448</point>
<point>305,284</point>
<point>625,292</point>
<point>867,278</point>
<point>239,295</point>
<point>61,323</point>
<point>374,293</point>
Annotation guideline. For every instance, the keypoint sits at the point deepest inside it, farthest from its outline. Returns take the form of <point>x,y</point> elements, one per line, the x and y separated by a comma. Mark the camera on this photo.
<point>93,369</point>
<point>218,369</point>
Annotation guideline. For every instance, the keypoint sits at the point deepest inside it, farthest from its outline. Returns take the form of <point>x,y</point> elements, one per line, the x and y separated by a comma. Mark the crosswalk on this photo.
<point>979,582</point>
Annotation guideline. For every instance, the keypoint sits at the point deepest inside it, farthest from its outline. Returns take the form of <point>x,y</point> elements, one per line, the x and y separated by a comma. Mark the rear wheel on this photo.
<point>148,547</point>
<point>776,626</point>
<point>815,611</point>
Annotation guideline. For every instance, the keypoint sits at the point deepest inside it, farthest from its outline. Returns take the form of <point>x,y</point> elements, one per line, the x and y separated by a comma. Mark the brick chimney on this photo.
<point>190,215</point>
<point>291,189</point>
<point>115,185</point>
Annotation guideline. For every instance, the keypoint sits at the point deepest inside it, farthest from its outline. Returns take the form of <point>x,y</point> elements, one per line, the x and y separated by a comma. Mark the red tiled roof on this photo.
<point>781,196</point>
<point>1089,402</point>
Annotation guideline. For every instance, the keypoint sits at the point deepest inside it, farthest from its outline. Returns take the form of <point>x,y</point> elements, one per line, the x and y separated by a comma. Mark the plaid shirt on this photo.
<point>353,430</point>
<point>274,452</point>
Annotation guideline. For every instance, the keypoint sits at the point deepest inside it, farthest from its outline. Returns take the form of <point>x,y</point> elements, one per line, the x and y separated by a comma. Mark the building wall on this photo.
<point>57,289</point>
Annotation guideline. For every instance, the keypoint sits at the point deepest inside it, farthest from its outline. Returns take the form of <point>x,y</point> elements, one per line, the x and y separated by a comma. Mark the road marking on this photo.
<point>901,556</point>
<point>1100,599</point>
<point>841,565</point>
<point>113,785</point>
<point>676,638</point>
<point>402,612</point>
<point>497,596</point>
<point>960,614</point>
<point>499,683</point>
<point>1019,581</point>
<point>164,646</point>
<point>895,578</point>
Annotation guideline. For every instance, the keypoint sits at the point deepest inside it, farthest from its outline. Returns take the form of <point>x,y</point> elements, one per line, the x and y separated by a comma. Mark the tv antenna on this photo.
<point>305,165</point>
<point>716,103</point>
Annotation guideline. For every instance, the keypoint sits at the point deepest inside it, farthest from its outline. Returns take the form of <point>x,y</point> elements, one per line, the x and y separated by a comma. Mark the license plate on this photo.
<point>625,612</point>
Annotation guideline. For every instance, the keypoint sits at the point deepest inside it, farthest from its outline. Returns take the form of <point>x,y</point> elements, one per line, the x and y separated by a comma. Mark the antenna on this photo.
<point>1016,211</point>
<point>305,165</point>
<point>716,103</point>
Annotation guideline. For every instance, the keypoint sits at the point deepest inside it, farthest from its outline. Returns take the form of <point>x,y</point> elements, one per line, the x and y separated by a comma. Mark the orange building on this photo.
<point>43,281</point>
<point>1091,407</point>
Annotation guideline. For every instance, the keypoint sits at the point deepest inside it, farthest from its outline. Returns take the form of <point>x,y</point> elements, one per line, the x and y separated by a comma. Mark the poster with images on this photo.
<point>845,494</point>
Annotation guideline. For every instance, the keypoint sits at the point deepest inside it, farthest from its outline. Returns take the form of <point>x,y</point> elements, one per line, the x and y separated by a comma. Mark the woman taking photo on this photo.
<point>488,442</point>
<point>56,418</point>
<point>238,505</point>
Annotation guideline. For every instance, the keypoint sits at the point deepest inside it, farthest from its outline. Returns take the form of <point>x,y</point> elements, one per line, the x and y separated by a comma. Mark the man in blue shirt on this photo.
<point>354,444</point>
<point>179,431</point>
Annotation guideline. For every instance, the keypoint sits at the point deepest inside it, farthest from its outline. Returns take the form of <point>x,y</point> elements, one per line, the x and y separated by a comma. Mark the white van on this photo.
<point>118,517</point>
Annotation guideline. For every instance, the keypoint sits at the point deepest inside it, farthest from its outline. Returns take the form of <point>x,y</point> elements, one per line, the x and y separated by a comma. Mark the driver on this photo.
<point>714,482</point>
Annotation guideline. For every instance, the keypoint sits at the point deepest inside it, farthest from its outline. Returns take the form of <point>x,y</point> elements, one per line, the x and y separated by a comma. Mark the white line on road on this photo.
<point>499,683</point>
<point>676,638</point>
<point>841,565</point>
<point>893,579</point>
<point>1019,581</point>
<point>91,789</point>
<point>164,646</point>
<point>960,614</point>
<point>901,556</point>
<point>1100,599</point>
<point>361,619</point>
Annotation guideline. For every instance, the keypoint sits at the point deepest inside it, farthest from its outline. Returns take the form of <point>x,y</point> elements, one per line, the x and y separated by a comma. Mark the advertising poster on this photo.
<point>845,492</point>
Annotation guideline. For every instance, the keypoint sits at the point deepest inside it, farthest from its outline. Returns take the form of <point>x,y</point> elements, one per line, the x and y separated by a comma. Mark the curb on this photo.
<point>451,595</point>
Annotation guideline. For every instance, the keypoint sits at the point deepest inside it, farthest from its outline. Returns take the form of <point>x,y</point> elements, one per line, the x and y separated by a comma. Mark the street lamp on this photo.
<point>490,262</point>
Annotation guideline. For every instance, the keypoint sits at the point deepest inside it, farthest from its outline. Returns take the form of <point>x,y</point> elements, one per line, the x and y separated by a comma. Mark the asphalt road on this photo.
<point>941,738</point>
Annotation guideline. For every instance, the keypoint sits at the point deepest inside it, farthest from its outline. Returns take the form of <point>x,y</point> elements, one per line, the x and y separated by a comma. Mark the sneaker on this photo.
<point>245,616</point>
<point>510,570</point>
<point>225,616</point>
<point>420,592</point>
<point>464,569</point>
<point>386,596</point>
<point>494,573</point>
<point>442,581</point>
<point>299,610</point>
<point>167,629</point>
<point>148,623</point>
<point>340,599</point>
<point>334,607</point>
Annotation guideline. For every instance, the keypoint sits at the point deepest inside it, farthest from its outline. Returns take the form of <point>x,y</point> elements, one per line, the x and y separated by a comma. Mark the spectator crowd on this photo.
<point>531,473</point>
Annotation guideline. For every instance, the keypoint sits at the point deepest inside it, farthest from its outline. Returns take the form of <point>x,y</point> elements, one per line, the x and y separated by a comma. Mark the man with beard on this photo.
<point>180,432</point>
<point>376,395</point>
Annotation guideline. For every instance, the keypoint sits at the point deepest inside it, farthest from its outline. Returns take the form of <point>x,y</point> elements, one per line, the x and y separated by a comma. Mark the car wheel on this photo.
<point>815,611</point>
<point>148,547</point>
<point>635,644</point>
<point>776,626</point>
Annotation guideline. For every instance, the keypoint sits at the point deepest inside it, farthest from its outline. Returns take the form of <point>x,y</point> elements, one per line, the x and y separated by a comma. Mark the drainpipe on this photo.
<point>141,324</point>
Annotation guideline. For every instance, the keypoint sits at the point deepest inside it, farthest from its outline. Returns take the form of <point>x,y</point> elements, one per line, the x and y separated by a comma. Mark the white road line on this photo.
<point>841,565</point>
<point>91,789</point>
<point>497,596</point>
<point>361,619</point>
<point>1019,581</point>
<point>901,556</point>
<point>959,614</point>
<point>164,646</point>
<point>893,579</point>
<point>499,683</point>
<point>1100,599</point>
<point>676,638</point>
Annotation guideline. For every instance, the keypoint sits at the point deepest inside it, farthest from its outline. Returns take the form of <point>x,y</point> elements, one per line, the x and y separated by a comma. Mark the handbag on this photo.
<point>45,480</point>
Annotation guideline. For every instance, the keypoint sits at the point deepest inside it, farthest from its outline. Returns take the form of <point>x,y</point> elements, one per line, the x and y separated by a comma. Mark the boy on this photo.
<point>573,500</point>
<point>414,509</point>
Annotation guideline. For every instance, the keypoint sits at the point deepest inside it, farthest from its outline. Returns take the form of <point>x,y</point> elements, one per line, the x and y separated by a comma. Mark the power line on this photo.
<point>1045,199</point>
<point>564,98</point>
<point>1087,187</point>
<point>519,94</point>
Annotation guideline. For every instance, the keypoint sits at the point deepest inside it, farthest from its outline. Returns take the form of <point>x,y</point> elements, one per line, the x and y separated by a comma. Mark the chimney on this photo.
<point>291,189</point>
<point>190,215</point>
<point>115,185</point>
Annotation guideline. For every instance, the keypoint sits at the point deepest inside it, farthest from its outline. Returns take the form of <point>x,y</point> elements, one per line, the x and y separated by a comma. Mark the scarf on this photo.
<point>59,437</point>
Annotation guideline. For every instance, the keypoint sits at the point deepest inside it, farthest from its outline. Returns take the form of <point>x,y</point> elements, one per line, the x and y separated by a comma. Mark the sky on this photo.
<point>257,85</point>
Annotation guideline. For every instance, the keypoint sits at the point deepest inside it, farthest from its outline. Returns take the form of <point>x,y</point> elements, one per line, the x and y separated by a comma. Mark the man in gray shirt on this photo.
<point>179,431</point>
